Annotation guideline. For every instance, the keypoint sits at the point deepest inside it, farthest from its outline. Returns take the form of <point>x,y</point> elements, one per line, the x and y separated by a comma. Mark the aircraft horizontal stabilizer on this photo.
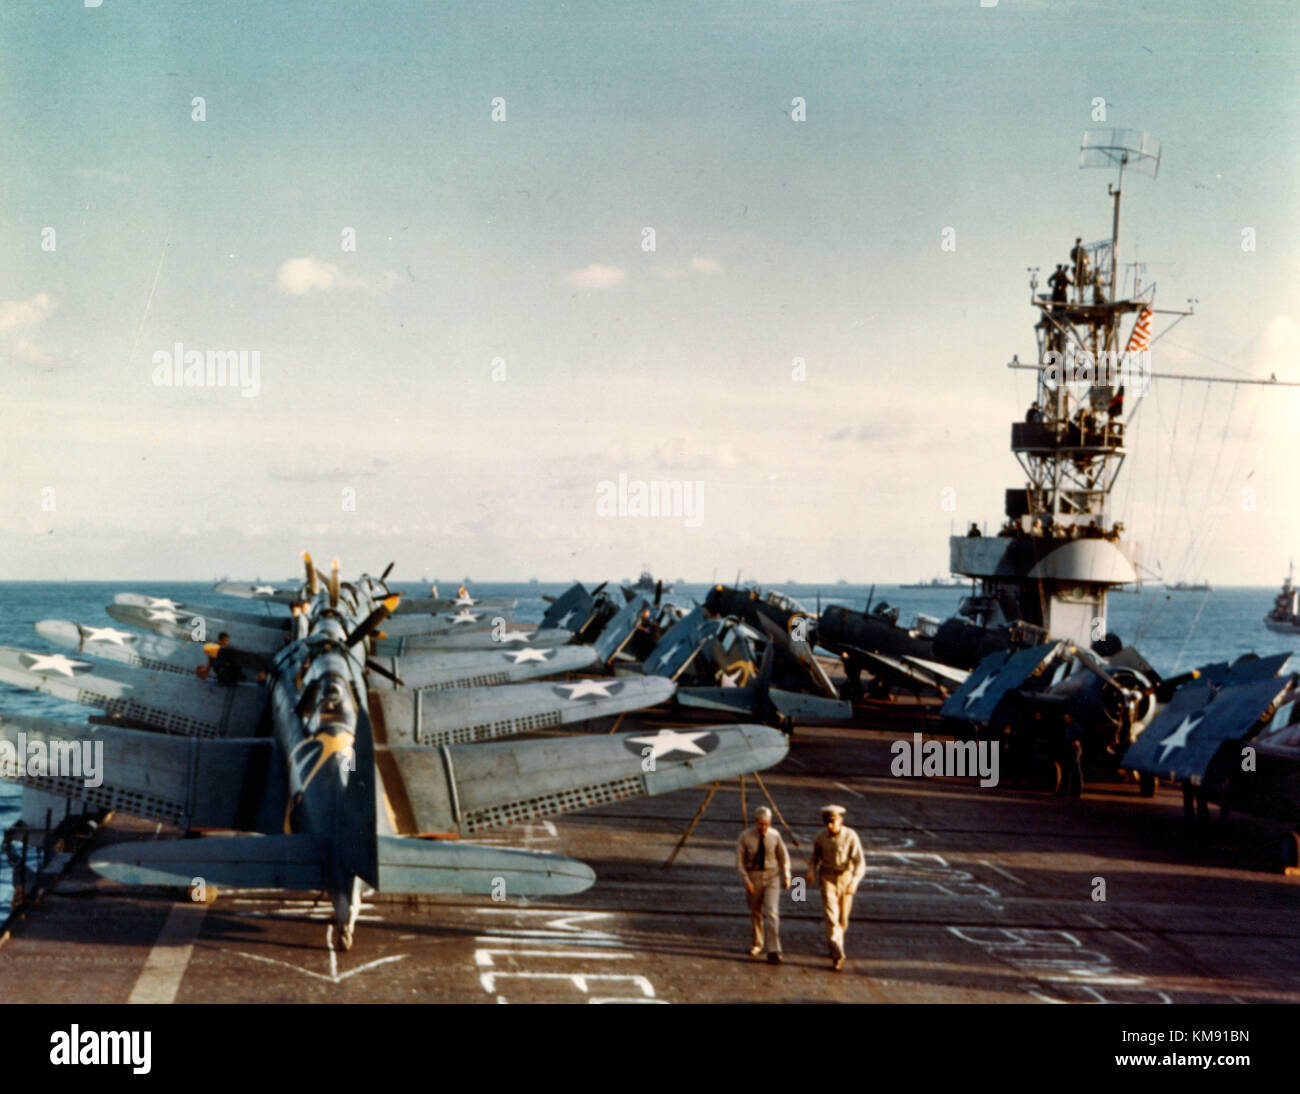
<point>447,866</point>
<point>945,673</point>
<point>740,702</point>
<point>809,708</point>
<point>238,862</point>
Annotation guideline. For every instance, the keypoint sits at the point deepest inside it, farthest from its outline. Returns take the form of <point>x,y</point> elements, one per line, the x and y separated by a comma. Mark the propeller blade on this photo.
<point>375,666</point>
<point>334,584</point>
<point>387,570</point>
<point>367,625</point>
<point>659,591</point>
<point>313,579</point>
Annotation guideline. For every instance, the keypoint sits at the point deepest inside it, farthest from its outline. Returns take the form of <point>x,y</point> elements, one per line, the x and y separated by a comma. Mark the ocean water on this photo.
<point>1174,631</point>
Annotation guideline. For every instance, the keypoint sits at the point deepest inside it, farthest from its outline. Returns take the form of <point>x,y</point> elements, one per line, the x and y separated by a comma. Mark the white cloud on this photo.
<point>17,314</point>
<point>596,277</point>
<point>301,275</point>
<point>706,265</point>
<point>26,350</point>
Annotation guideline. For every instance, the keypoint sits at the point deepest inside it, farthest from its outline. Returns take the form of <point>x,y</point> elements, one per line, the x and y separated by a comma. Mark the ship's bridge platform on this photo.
<point>1067,438</point>
<point>1073,561</point>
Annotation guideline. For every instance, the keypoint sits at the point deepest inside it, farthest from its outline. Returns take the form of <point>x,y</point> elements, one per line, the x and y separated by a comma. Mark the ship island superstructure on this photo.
<point>1059,551</point>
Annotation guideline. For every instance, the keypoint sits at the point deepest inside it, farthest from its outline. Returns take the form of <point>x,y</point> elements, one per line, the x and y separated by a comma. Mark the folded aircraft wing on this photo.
<point>680,643</point>
<point>1182,739</point>
<point>976,701</point>
<point>618,631</point>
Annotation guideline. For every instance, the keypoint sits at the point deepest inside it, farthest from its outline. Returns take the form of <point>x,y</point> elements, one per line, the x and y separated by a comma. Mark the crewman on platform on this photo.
<point>838,863</point>
<point>1059,282</point>
<point>764,866</point>
<point>1079,263</point>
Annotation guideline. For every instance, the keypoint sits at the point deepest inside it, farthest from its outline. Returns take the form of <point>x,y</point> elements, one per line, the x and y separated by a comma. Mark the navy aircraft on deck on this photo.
<point>330,774</point>
<point>1232,737</point>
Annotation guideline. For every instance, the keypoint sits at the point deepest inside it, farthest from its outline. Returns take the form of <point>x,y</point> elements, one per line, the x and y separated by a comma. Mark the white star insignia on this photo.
<point>1178,738</point>
<point>106,634</point>
<point>731,679</point>
<point>514,636</point>
<point>469,601</point>
<point>669,740</point>
<point>465,617</point>
<point>521,656</point>
<point>54,662</point>
<point>161,602</point>
<point>665,657</point>
<point>979,690</point>
<point>567,617</point>
<point>164,614</point>
<point>589,687</point>
<point>259,590</point>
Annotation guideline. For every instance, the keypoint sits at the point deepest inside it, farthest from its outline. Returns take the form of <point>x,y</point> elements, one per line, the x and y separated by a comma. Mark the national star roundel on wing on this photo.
<point>589,689</point>
<point>55,664</point>
<point>671,744</point>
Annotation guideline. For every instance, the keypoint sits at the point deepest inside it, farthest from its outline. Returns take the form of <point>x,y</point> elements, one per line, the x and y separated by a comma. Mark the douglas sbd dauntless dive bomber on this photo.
<point>331,742</point>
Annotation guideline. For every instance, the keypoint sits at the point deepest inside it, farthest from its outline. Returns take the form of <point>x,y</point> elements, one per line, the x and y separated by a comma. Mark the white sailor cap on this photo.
<point>832,810</point>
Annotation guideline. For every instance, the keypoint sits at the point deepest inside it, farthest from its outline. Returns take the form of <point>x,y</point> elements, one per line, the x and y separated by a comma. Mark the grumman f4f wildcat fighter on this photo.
<point>328,772</point>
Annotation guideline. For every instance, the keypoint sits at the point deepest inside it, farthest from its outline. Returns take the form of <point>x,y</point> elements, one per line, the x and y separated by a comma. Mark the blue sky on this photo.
<point>522,240</point>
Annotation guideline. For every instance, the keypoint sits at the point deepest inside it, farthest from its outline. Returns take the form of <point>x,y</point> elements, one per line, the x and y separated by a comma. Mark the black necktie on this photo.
<point>761,864</point>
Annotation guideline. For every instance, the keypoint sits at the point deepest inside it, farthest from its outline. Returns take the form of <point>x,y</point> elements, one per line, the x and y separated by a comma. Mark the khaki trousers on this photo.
<point>837,902</point>
<point>765,908</point>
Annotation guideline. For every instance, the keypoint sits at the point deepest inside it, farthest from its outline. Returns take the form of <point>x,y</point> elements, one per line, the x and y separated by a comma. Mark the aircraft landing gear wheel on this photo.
<point>1146,784</point>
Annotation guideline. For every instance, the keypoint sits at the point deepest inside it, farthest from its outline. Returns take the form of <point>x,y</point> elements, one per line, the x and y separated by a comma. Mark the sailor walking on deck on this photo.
<point>764,866</point>
<point>838,863</point>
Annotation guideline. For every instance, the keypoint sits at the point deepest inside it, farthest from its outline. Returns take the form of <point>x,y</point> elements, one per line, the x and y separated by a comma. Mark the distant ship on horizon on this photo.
<point>937,583</point>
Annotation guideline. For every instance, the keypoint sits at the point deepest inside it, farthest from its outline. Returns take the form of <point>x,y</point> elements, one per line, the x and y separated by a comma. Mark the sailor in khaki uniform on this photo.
<point>838,863</point>
<point>764,865</point>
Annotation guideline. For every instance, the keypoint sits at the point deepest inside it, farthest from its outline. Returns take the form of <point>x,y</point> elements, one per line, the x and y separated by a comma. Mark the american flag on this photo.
<point>1141,336</point>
